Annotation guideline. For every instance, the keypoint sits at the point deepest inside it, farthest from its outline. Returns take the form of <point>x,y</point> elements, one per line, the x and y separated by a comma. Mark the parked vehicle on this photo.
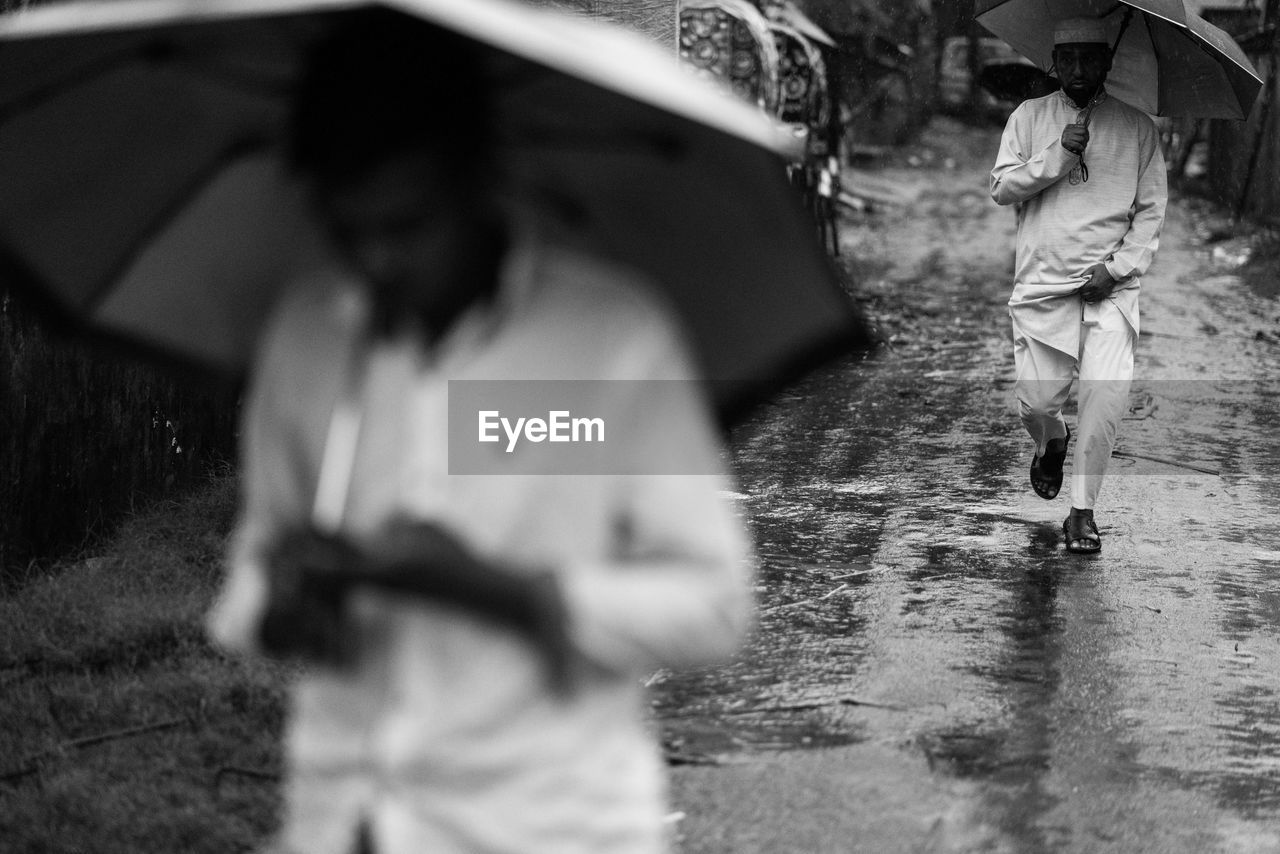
<point>729,41</point>
<point>782,71</point>
<point>804,103</point>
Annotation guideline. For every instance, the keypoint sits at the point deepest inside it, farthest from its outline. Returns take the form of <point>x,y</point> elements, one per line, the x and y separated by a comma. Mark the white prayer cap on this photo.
<point>1080,31</point>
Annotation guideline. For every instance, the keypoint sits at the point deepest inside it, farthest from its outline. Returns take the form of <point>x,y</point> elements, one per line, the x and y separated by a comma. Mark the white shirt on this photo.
<point>1064,228</point>
<point>447,738</point>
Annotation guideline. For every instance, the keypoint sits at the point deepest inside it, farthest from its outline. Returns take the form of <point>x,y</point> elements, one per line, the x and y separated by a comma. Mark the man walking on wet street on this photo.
<point>1087,175</point>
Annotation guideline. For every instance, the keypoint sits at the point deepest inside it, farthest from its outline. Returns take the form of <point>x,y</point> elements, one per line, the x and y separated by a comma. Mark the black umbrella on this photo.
<point>140,155</point>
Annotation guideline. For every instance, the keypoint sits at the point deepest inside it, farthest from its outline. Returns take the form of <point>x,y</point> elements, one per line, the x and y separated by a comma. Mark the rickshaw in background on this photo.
<point>730,41</point>
<point>773,65</point>
<point>804,103</point>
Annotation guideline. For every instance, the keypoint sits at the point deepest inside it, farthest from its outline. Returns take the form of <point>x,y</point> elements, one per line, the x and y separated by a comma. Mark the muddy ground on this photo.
<point>931,671</point>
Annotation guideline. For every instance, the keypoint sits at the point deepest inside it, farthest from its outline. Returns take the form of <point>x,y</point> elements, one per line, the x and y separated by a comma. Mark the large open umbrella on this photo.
<point>1168,60</point>
<point>143,191</point>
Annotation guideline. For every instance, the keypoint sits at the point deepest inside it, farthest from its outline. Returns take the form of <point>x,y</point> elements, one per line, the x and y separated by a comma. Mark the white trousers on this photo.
<point>1104,366</point>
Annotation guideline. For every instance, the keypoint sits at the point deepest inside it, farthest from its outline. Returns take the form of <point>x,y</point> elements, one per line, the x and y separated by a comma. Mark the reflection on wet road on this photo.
<point>915,594</point>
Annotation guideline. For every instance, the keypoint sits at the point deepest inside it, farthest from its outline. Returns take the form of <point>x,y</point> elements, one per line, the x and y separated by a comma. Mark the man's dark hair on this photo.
<point>382,84</point>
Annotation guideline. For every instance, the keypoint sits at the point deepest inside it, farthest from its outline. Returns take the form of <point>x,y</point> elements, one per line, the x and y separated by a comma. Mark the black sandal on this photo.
<point>1046,471</point>
<point>1081,533</point>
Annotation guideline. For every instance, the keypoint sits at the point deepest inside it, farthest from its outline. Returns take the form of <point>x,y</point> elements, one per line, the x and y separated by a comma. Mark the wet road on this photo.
<point>932,672</point>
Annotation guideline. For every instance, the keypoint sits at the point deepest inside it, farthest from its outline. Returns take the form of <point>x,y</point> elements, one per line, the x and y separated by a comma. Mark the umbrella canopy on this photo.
<point>145,192</point>
<point>1169,61</point>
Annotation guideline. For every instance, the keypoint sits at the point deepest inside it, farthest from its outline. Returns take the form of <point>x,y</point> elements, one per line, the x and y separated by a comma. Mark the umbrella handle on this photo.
<point>337,464</point>
<point>341,441</point>
<point>1083,121</point>
<point>1093,102</point>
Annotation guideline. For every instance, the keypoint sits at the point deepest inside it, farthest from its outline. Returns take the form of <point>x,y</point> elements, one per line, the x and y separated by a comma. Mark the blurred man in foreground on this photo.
<point>476,643</point>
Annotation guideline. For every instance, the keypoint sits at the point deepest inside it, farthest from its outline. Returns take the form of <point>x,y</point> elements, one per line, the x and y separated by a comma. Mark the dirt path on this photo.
<point>932,672</point>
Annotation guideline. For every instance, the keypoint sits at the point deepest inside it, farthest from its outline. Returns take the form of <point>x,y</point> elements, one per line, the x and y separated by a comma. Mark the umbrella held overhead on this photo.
<point>1167,61</point>
<point>145,192</point>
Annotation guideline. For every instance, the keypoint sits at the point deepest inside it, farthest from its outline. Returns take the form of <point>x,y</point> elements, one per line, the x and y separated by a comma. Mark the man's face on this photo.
<point>407,225</point>
<point>1082,68</point>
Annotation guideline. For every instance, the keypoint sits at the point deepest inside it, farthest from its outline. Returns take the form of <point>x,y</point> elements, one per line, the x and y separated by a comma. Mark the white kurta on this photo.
<point>1064,228</point>
<point>446,738</point>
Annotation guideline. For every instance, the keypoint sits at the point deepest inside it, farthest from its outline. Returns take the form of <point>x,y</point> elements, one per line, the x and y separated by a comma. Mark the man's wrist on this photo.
<point>542,599</point>
<point>1061,153</point>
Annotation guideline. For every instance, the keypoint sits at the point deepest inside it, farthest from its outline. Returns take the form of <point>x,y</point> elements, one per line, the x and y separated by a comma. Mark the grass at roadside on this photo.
<point>124,731</point>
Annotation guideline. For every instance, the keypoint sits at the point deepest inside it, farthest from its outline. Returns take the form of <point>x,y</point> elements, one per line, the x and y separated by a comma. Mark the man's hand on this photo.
<point>1099,284</point>
<point>310,575</point>
<point>425,559</point>
<point>422,545</point>
<point>1075,138</point>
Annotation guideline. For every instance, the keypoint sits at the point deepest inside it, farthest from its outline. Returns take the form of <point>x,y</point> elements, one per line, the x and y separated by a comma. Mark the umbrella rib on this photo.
<point>168,213</point>
<point>241,81</point>
<point>16,272</point>
<point>56,316</point>
<point>1181,32</point>
<point>34,98</point>
<point>1148,15</point>
<point>1155,51</point>
<point>83,74</point>
<point>111,342</point>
